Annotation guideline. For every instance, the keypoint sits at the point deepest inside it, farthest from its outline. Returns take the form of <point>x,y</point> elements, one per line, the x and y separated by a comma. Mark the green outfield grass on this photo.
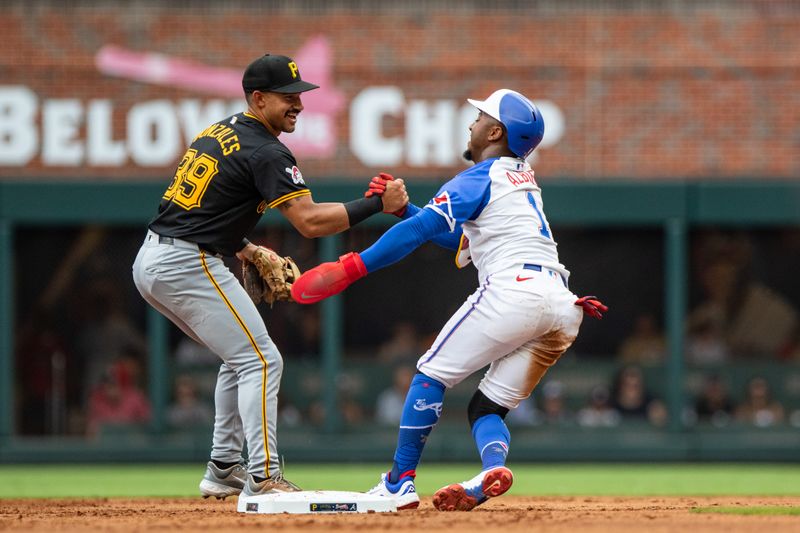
<point>63,481</point>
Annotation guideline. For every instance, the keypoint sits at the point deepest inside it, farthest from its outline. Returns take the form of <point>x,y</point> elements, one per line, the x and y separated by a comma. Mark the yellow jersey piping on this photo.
<point>288,196</point>
<point>260,356</point>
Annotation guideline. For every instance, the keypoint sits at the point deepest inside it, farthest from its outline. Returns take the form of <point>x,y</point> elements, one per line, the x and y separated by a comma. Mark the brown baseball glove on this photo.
<point>269,277</point>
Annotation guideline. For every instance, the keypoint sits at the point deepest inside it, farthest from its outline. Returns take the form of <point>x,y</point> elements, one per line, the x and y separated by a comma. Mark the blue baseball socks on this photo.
<point>421,412</point>
<point>492,438</point>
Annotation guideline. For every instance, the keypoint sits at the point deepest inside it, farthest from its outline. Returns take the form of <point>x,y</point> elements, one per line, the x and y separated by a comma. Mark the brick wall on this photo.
<point>689,92</point>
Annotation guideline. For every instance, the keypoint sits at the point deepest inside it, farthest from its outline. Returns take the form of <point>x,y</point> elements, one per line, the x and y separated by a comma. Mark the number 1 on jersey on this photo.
<point>543,228</point>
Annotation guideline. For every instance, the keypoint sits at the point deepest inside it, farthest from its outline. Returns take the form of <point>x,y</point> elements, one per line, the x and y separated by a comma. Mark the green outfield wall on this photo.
<point>673,209</point>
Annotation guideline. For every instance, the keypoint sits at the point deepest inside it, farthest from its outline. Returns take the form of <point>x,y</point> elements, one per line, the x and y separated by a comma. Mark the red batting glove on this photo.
<point>377,186</point>
<point>592,306</point>
<point>328,279</point>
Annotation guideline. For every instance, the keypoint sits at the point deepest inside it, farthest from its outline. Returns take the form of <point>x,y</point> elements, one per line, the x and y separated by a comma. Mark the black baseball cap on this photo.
<point>273,73</point>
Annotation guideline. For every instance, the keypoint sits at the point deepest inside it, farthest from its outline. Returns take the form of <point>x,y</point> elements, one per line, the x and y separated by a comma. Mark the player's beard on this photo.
<point>288,125</point>
<point>467,154</point>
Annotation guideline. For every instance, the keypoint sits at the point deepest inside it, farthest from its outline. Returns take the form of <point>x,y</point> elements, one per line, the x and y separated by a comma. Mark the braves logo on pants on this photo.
<point>422,405</point>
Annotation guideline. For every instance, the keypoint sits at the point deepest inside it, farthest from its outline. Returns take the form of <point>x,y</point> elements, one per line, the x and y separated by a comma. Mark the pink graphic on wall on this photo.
<point>316,132</point>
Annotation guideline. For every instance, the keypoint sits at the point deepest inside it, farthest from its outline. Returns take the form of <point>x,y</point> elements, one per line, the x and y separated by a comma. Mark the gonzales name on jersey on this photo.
<point>232,172</point>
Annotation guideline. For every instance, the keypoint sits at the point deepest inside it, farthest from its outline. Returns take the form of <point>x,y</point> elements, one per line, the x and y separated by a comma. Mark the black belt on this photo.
<point>538,268</point>
<point>163,239</point>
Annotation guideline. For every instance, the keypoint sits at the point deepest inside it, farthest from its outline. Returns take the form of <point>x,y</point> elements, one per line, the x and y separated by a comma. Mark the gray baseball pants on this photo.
<point>197,292</point>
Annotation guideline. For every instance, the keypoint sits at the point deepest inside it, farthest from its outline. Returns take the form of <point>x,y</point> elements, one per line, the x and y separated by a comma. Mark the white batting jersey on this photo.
<point>498,204</point>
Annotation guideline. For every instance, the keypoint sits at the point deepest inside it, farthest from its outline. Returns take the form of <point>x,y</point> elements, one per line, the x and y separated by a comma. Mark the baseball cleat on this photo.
<point>467,495</point>
<point>272,485</point>
<point>403,492</point>
<point>221,483</point>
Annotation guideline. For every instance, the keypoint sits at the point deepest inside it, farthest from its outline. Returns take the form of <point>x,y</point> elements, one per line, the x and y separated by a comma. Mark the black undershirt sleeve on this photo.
<point>363,208</point>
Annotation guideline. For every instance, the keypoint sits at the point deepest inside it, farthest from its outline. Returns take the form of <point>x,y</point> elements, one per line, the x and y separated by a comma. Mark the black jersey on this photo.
<point>232,172</point>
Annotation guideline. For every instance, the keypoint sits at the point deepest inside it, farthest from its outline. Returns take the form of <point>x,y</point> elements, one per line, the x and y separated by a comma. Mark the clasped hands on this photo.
<point>392,192</point>
<point>329,279</point>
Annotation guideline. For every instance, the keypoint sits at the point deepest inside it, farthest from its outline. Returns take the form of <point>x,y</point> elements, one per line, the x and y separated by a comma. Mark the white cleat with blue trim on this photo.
<point>403,492</point>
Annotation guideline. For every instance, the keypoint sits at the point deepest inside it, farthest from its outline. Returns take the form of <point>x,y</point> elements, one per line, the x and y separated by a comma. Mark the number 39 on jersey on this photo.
<point>195,172</point>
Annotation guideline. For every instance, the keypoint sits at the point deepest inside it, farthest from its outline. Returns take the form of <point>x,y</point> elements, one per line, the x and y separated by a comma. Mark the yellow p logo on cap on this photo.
<point>293,68</point>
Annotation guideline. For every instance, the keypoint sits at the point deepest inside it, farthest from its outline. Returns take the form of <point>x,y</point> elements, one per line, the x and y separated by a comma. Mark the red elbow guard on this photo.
<point>328,279</point>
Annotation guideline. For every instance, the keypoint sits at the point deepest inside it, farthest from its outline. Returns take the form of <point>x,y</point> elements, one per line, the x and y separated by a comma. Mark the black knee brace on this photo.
<point>480,406</point>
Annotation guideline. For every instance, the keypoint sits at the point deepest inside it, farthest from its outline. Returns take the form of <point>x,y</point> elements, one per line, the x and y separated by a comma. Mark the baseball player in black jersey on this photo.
<point>232,172</point>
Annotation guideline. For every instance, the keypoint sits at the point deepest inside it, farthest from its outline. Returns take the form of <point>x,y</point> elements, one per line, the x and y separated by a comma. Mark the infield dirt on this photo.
<point>506,514</point>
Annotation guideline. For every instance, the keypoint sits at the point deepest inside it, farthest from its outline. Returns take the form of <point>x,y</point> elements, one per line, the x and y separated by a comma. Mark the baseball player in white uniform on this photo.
<point>519,321</point>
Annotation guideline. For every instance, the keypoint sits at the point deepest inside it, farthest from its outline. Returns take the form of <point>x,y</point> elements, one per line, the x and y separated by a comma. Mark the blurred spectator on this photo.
<point>763,324</point>
<point>107,333</point>
<point>754,320</point>
<point>402,346</point>
<point>705,343</point>
<point>117,399</point>
<point>350,411</point>
<point>317,413</point>
<point>288,413</point>
<point>758,407</point>
<point>599,412</point>
<point>526,414</point>
<point>349,386</point>
<point>42,359</point>
<point>646,345</point>
<point>553,407</point>
<point>389,405</point>
<point>714,404</point>
<point>188,411</point>
<point>631,399</point>
<point>791,351</point>
<point>196,361</point>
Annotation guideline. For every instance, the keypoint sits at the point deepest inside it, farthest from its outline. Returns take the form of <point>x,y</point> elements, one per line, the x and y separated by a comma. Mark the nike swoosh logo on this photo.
<point>305,296</point>
<point>523,279</point>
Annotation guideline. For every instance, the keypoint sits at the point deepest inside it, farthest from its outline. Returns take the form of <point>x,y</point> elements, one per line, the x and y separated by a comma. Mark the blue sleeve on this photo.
<point>449,240</point>
<point>464,197</point>
<point>445,240</point>
<point>411,210</point>
<point>403,238</point>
